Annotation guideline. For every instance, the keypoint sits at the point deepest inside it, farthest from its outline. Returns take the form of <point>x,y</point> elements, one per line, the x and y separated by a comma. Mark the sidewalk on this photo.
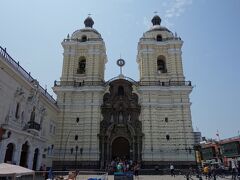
<point>162,177</point>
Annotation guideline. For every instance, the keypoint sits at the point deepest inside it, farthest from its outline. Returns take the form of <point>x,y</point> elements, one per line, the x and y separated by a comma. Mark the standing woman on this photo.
<point>136,169</point>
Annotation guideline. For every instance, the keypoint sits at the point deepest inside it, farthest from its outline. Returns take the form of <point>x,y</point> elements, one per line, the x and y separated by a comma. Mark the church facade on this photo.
<point>147,120</point>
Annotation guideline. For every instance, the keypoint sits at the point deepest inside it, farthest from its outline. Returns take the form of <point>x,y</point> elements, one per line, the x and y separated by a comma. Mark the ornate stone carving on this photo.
<point>120,112</point>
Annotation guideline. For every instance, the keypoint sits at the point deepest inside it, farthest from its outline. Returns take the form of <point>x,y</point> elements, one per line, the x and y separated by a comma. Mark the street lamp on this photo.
<point>65,147</point>
<point>76,148</point>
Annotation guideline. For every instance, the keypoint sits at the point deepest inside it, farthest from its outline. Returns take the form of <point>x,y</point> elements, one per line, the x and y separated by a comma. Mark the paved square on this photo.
<point>154,177</point>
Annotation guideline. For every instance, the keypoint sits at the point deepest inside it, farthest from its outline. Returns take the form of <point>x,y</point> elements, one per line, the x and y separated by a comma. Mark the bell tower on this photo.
<point>84,55</point>
<point>79,96</point>
<point>164,99</point>
<point>159,54</point>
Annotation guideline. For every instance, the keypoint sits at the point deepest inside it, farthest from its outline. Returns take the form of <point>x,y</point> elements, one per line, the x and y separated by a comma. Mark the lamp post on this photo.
<point>76,148</point>
<point>65,147</point>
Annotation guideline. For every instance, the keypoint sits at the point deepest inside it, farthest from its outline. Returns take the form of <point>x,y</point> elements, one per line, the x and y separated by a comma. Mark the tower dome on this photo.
<point>156,20</point>
<point>89,22</point>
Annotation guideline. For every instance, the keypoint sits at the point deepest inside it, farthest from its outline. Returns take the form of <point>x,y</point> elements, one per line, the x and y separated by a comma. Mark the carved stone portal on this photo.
<point>120,130</point>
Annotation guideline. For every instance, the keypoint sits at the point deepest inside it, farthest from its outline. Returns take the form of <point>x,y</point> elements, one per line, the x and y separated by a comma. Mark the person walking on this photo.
<point>136,169</point>
<point>206,171</point>
<point>234,164</point>
<point>172,170</point>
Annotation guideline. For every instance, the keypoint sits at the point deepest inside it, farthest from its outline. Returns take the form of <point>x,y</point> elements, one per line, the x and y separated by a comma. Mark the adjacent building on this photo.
<point>28,117</point>
<point>220,151</point>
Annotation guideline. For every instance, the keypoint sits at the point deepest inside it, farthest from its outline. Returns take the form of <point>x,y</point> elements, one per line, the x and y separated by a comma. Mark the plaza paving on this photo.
<point>164,177</point>
<point>154,177</point>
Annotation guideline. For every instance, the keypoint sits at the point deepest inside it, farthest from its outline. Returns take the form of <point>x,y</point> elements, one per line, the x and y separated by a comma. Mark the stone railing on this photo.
<point>81,40</point>
<point>139,83</point>
<point>163,39</point>
<point>165,83</point>
<point>78,84</point>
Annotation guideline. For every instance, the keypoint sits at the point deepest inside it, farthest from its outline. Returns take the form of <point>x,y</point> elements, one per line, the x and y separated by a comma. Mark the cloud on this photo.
<point>146,22</point>
<point>171,9</point>
<point>175,8</point>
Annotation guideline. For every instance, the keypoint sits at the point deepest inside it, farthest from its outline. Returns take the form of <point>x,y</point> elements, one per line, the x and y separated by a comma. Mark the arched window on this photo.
<point>9,153</point>
<point>35,159</point>
<point>17,110</point>
<point>120,91</point>
<point>84,38</point>
<point>24,155</point>
<point>159,37</point>
<point>81,65</point>
<point>161,64</point>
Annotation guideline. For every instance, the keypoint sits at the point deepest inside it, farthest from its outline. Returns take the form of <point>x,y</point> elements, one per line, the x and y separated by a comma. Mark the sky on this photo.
<point>32,32</point>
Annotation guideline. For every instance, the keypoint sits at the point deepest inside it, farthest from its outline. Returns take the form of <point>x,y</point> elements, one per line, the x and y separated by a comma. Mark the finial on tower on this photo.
<point>89,21</point>
<point>156,20</point>
<point>120,63</point>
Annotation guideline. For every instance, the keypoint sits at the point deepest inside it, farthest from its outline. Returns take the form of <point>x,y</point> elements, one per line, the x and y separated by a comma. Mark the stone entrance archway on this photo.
<point>24,155</point>
<point>35,159</point>
<point>120,112</point>
<point>120,148</point>
<point>9,153</point>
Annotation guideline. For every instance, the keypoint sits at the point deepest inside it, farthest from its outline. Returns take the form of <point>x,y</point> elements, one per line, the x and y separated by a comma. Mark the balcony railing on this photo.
<point>27,76</point>
<point>140,83</point>
<point>34,125</point>
<point>165,83</point>
<point>81,40</point>
<point>78,84</point>
<point>163,39</point>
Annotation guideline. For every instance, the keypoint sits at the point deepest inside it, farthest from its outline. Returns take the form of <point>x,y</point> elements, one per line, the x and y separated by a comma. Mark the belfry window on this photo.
<point>81,66</point>
<point>159,37</point>
<point>120,91</point>
<point>161,65</point>
<point>84,38</point>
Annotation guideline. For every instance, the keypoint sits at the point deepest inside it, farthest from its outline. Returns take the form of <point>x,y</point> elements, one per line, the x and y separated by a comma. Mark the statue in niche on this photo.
<point>32,117</point>
<point>19,92</point>
<point>129,117</point>
<point>43,111</point>
<point>33,97</point>
<point>120,118</point>
<point>111,119</point>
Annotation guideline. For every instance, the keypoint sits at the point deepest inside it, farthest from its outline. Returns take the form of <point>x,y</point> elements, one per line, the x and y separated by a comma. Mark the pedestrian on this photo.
<point>50,174</point>
<point>172,170</point>
<point>206,171</point>
<point>234,164</point>
<point>136,169</point>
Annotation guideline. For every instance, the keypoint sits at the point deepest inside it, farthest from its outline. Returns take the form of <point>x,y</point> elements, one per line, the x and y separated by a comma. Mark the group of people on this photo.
<point>211,171</point>
<point>124,165</point>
